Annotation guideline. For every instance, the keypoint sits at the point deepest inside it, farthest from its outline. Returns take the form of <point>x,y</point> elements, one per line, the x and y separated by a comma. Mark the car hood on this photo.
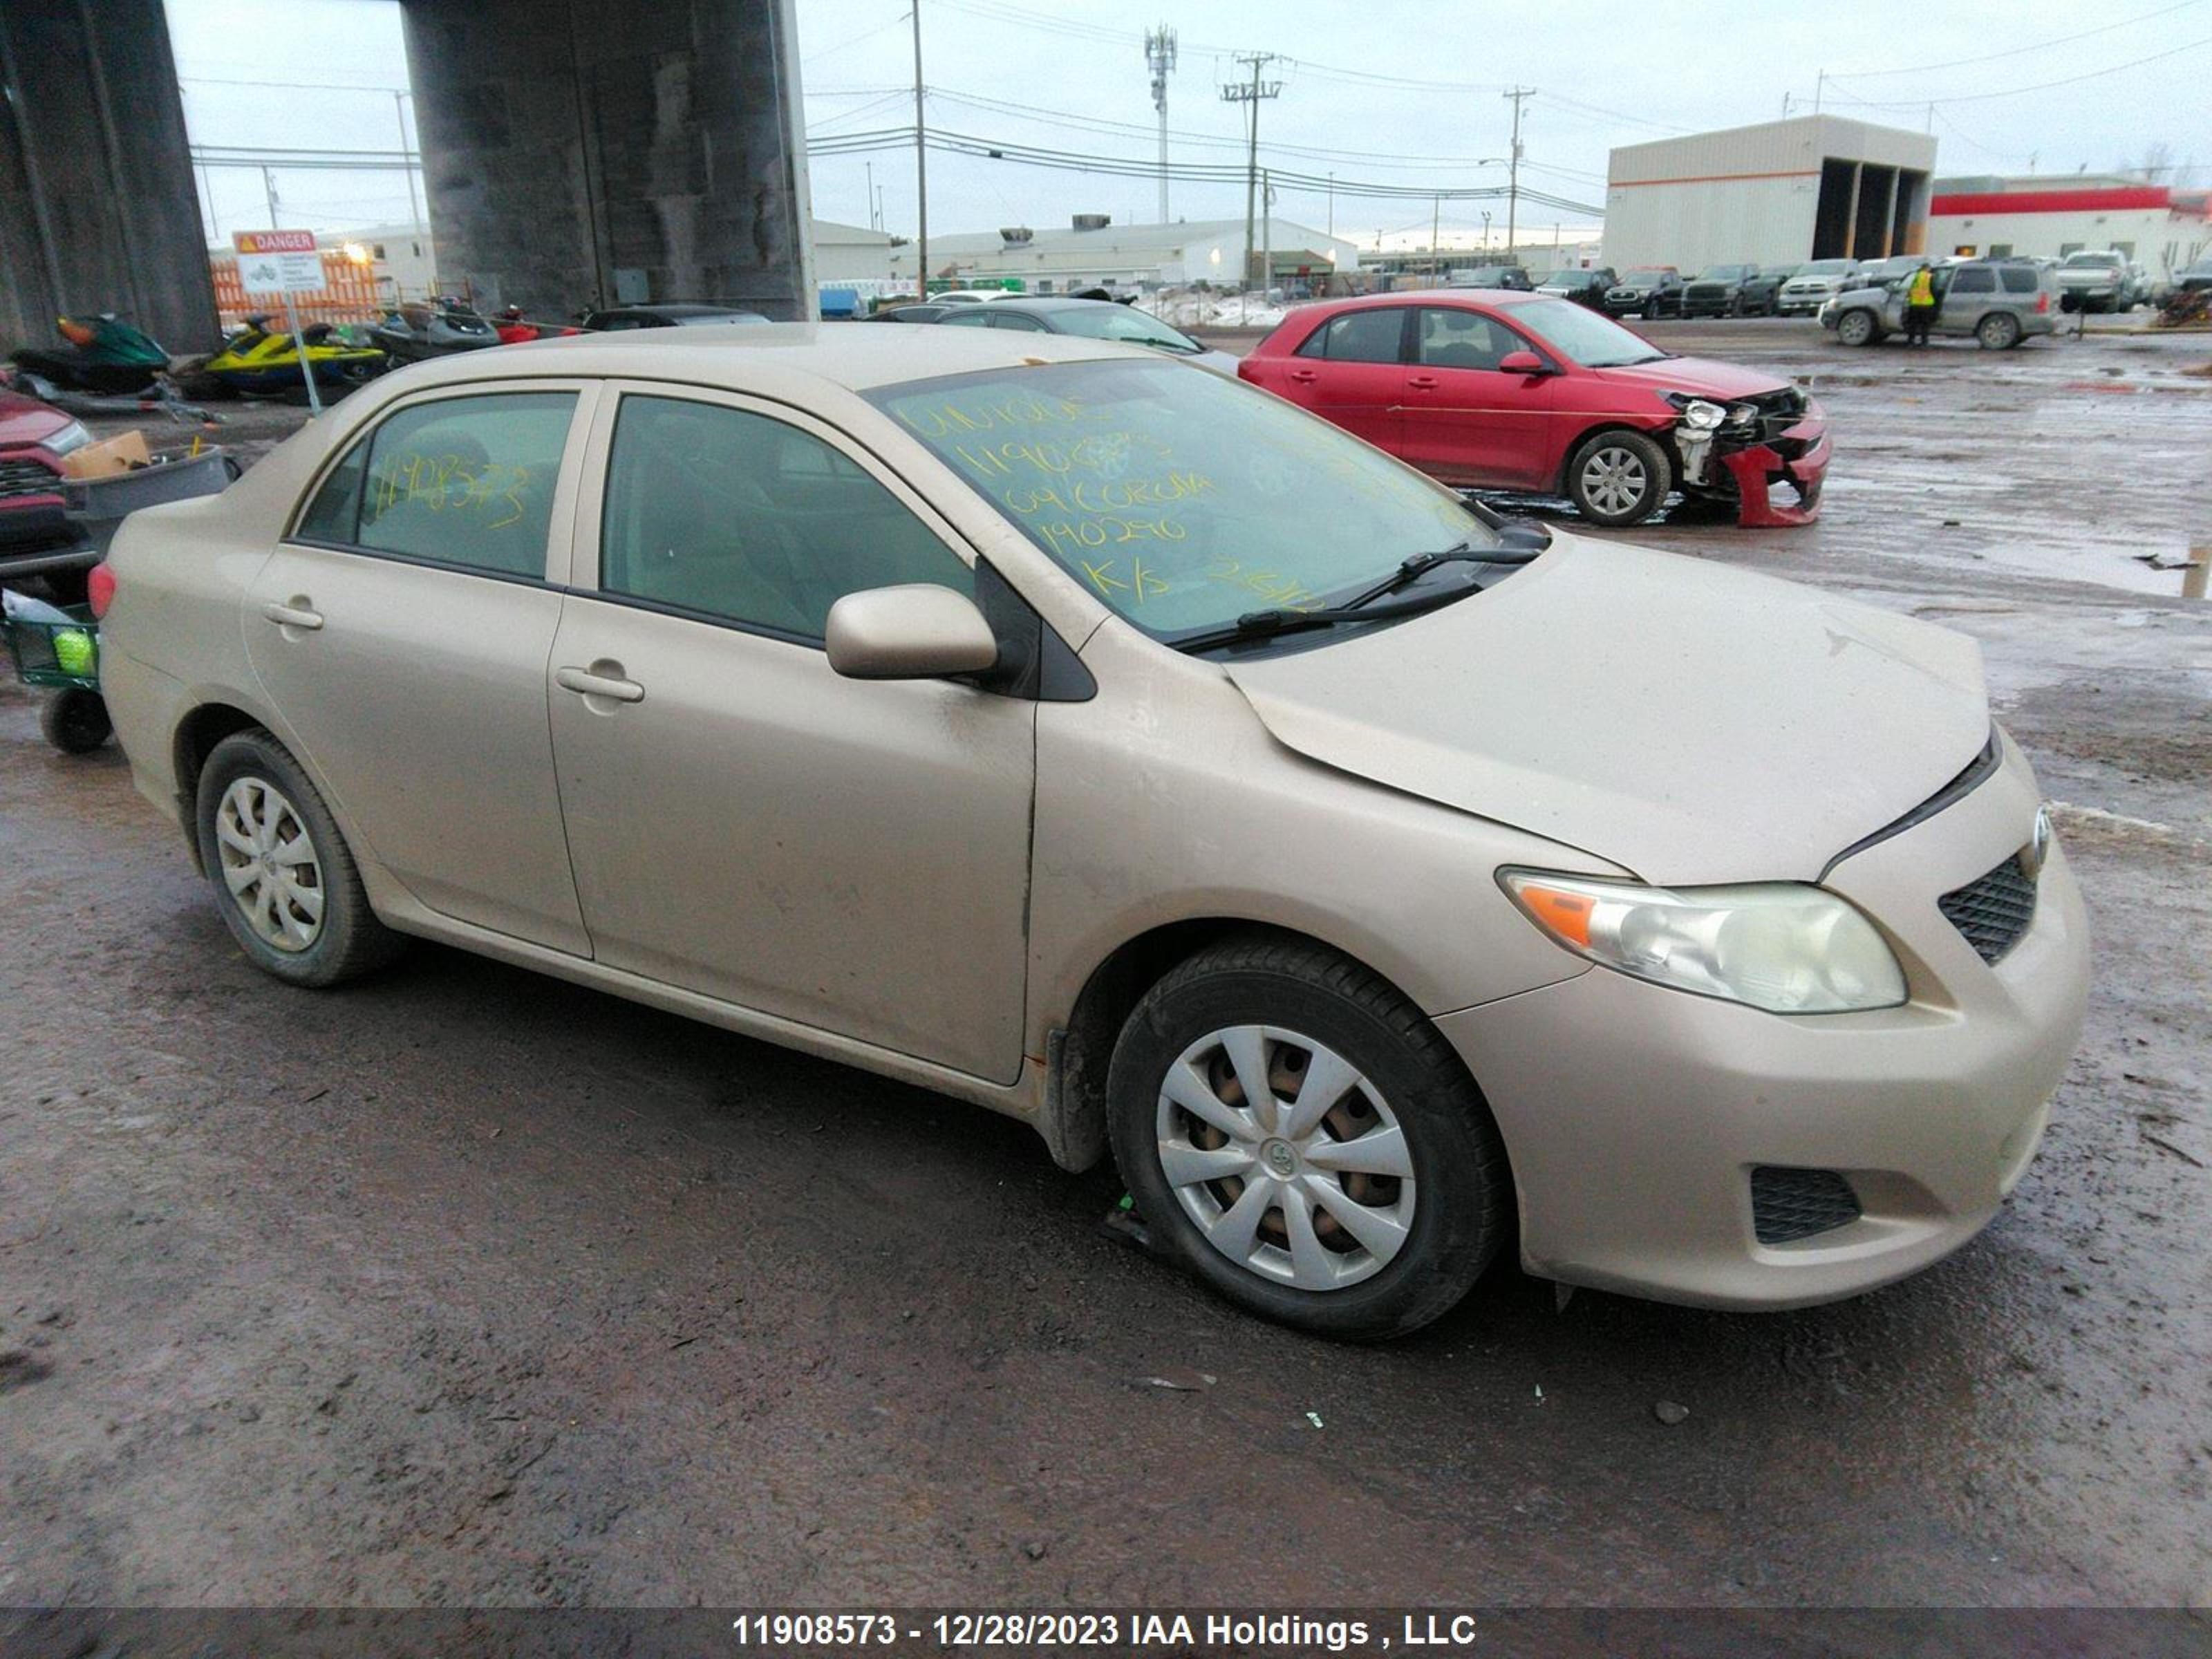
<point>1699,374</point>
<point>1688,722</point>
<point>26,421</point>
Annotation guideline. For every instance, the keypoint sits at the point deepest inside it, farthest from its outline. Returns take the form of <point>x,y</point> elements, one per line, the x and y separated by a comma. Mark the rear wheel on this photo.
<point>75,721</point>
<point>1617,479</point>
<point>1857,328</point>
<point>285,881</point>
<point>1998,331</point>
<point>1305,1141</point>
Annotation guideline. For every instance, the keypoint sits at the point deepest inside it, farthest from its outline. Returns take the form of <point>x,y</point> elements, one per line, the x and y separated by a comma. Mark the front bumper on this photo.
<point>1749,462</point>
<point>1633,1115</point>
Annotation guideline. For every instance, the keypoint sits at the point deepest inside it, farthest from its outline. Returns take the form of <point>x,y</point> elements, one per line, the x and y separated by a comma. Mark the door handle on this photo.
<point>295,615</point>
<point>1422,382</point>
<point>586,683</point>
<point>1305,376</point>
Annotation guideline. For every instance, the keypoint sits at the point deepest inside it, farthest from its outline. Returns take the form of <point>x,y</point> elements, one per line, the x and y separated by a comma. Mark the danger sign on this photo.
<point>278,261</point>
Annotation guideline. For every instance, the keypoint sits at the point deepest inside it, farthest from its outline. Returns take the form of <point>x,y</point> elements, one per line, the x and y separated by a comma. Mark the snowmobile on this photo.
<point>433,328</point>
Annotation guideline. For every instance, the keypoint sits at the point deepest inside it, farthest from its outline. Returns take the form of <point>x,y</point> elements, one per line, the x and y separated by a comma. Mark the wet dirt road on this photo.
<point>465,1286</point>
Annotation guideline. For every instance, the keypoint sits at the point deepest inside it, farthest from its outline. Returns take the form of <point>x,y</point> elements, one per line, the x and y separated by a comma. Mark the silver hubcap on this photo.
<point>269,864</point>
<point>1285,1157</point>
<point>1855,330</point>
<point>1613,480</point>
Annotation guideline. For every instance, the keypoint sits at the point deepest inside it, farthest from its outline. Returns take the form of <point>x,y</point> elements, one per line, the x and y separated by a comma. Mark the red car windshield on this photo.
<point>1581,336</point>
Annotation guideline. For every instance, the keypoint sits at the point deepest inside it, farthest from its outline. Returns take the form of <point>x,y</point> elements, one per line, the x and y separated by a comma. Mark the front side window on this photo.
<point>1182,501</point>
<point>467,481</point>
<point>1357,336</point>
<point>741,517</point>
<point>1452,338</point>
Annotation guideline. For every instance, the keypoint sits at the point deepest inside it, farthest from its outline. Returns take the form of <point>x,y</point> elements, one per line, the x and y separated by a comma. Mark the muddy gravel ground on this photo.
<point>463,1286</point>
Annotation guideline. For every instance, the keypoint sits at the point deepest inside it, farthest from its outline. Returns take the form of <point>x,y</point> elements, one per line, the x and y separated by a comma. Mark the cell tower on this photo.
<point>1160,58</point>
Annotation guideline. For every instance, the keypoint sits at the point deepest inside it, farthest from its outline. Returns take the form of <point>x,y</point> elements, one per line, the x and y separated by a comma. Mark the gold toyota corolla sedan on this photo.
<point>1123,749</point>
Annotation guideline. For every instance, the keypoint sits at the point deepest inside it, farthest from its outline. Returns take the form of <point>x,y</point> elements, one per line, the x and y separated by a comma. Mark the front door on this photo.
<point>745,823</point>
<point>1466,423</point>
<point>401,633</point>
<point>1351,370</point>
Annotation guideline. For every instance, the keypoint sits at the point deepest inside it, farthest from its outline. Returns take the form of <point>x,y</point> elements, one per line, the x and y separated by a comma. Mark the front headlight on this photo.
<point>1782,947</point>
<point>72,436</point>
<point>1698,414</point>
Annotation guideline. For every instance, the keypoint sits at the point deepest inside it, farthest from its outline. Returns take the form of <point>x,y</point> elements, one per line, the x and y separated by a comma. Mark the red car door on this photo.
<point>1350,370</point>
<point>1466,423</point>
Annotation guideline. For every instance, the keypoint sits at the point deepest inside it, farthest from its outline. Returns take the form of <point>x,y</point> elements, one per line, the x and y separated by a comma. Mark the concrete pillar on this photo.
<point>1852,213</point>
<point>97,208</point>
<point>578,155</point>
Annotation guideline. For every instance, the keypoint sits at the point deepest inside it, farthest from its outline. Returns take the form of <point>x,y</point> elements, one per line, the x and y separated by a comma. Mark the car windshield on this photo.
<point>1183,500</point>
<point>1722,273</point>
<point>717,319</point>
<point>1105,321</point>
<point>1580,335</point>
<point>1826,267</point>
<point>1640,279</point>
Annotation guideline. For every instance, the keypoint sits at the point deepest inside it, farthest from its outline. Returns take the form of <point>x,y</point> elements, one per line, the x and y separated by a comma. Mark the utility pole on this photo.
<point>1513,171</point>
<point>1486,233</point>
<point>269,190</point>
<point>871,165</point>
<point>1331,204</point>
<point>921,169</point>
<point>1819,78</point>
<point>1249,95</point>
<point>406,161</point>
<point>1160,58</point>
<point>1436,222</point>
<point>1266,236</point>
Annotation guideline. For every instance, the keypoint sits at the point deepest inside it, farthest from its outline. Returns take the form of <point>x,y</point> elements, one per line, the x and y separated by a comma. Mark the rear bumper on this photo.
<point>1634,1114</point>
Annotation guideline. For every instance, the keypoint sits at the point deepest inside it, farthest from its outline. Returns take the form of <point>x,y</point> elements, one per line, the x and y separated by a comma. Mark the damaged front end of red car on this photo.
<point>1778,441</point>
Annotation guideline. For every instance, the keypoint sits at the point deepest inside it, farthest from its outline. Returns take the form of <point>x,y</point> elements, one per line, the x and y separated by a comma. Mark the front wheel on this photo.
<point>1998,331</point>
<point>1857,328</point>
<point>1617,479</point>
<point>1305,1141</point>
<point>284,880</point>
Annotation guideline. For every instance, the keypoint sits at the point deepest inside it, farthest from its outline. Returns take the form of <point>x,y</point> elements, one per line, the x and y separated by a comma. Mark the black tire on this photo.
<point>349,940</point>
<point>1464,1200</point>
<point>1589,494</point>
<point>1858,327</point>
<point>75,721</point>
<point>1998,331</point>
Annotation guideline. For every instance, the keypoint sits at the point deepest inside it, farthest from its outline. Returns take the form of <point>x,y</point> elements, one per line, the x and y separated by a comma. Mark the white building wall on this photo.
<point>2162,242</point>
<point>1764,222</point>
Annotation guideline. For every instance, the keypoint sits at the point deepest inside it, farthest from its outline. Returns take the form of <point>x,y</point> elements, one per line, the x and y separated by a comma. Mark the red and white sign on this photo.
<point>278,261</point>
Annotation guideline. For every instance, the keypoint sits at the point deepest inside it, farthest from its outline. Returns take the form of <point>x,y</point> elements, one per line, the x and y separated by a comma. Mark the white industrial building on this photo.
<point>1093,252</point>
<point>2041,218</point>
<point>1814,187</point>
<point>844,253</point>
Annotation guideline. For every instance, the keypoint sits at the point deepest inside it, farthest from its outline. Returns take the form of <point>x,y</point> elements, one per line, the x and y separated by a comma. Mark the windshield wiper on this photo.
<point>1361,607</point>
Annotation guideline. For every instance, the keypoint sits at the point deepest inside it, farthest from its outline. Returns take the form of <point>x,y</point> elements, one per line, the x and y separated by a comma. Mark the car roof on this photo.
<point>1473,299</point>
<point>770,358</point>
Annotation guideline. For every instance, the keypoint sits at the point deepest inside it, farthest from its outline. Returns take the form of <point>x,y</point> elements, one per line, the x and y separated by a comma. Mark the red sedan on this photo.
<point>1522,392</point>
<point>35,539</point>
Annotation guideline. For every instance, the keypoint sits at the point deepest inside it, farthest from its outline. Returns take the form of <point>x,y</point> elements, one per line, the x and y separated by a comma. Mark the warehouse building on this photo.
<point>1094,252</point>
<point>1782,192</point>
<point>2041,218</point>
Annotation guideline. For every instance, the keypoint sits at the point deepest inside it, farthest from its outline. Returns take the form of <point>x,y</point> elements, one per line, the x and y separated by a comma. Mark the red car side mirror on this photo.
<point>1522,363</point>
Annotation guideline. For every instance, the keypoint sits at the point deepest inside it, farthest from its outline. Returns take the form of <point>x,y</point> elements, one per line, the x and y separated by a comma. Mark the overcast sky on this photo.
<point>1399,92</point>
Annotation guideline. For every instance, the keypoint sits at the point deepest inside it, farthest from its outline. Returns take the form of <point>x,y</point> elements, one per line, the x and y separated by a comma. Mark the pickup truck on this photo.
<point>2095,279</point>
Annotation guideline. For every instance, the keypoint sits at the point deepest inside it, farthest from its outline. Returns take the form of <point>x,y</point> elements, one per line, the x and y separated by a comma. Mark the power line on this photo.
<point>2015,92</point>
<point>2014,51</point>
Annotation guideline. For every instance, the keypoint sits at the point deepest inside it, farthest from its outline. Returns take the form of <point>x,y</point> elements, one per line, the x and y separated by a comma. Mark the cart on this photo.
<point>62,657</point>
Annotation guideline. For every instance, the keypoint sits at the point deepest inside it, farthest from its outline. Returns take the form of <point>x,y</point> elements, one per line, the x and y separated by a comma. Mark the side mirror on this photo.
<point>917,632</point>
<point>1522,363</point>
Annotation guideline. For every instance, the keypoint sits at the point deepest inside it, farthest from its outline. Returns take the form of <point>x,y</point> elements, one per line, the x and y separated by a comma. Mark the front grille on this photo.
<point>28,477</point>
<point>1790,1204</point>
<point>1994,911</point>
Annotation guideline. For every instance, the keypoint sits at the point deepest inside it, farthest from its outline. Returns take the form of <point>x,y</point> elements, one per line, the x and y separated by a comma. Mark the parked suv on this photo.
<point>1584,287</point>
<point>1649,291</point>
<point>1718,291</point>
<point>2095,279</point>
<point>1998,301</point>
<point>1812,285</point>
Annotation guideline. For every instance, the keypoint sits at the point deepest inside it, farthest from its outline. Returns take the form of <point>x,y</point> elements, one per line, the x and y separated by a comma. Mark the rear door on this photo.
<point>401,633</point>
<point>1351,370</point>
<point>1971,296</point>
<point>1466,423</point>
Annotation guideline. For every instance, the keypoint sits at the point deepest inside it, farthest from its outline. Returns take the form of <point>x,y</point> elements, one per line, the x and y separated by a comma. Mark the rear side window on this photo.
<point>1975,279</point>
<point>466,482</point>
<point>1357,336</point>
<point>2019,279</point>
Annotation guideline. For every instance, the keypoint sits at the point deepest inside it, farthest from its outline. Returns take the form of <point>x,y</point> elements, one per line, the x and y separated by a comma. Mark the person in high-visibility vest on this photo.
<point>1920,306</point>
